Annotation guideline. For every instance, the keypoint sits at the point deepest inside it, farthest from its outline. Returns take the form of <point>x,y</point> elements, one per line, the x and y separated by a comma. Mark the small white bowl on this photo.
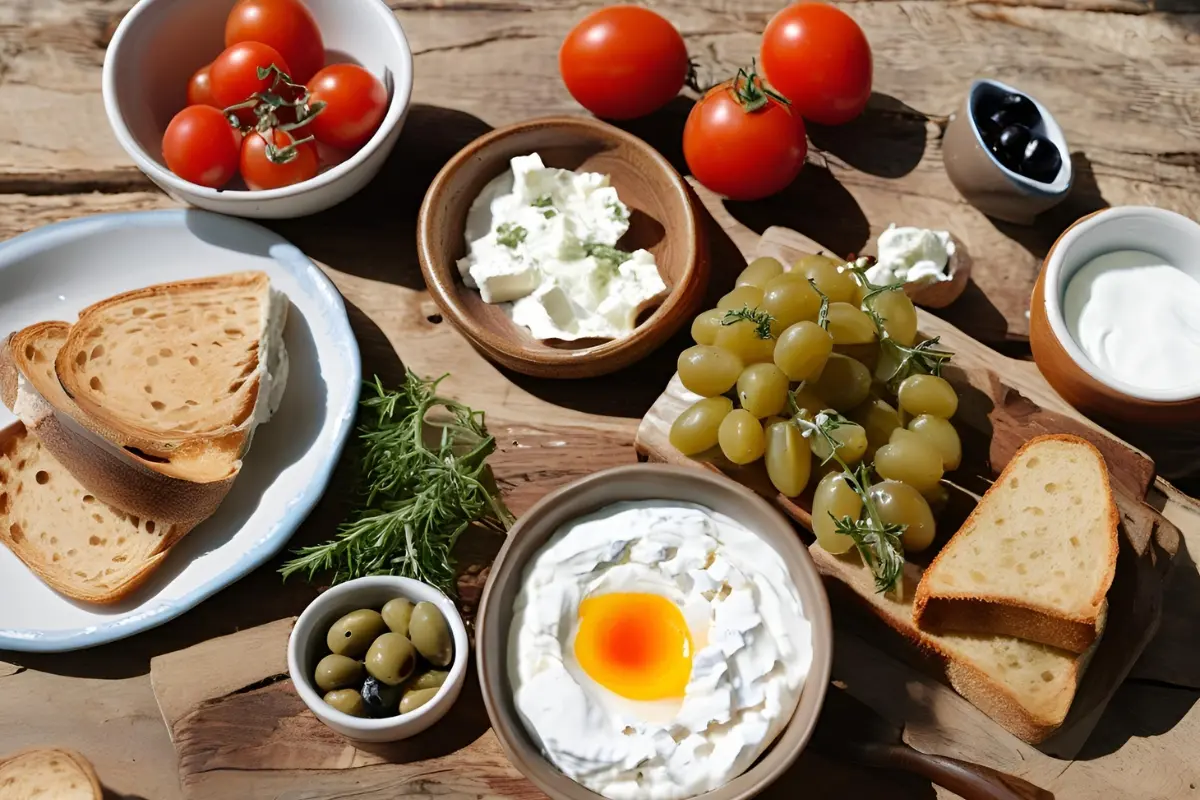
<point>161,43</point>
<point>307,646</point>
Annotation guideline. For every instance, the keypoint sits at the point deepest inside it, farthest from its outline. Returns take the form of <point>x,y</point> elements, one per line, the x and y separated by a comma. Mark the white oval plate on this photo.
<point>53,272</point>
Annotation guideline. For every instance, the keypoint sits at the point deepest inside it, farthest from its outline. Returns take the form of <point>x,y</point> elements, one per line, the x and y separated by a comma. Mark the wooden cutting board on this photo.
<point>1003,403</point>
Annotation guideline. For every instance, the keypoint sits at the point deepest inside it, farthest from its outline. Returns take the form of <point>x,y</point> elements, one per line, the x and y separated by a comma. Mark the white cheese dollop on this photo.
<point>911,255</point>
<point>752,650</point>
<point>542,242</point>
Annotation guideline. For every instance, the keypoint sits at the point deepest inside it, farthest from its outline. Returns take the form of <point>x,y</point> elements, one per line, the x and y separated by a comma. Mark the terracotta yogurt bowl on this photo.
<point>645,482</point>
<point>663,220</point>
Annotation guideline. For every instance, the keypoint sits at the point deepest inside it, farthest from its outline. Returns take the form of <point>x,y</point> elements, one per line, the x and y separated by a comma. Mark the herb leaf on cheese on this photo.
<point>606,252</point>
<point>510,235</point>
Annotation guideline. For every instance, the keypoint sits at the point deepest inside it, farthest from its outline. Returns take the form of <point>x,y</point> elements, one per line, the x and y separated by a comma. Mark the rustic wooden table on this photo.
<point>1122,76</point>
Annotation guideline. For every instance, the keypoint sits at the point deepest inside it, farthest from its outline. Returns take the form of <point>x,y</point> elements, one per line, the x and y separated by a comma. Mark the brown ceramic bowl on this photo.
<point>1172,237</point>
<point>986,183</point>
<point>645,482</point>
<point>663,220</point>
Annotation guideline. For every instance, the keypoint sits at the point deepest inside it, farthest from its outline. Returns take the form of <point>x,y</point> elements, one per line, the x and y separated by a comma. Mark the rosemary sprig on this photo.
<point>424,481</point>
<point>761,320</point>
<point>823,313</point>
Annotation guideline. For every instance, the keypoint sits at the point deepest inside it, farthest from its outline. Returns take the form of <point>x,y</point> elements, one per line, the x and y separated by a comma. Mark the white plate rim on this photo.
<point>272,541</point>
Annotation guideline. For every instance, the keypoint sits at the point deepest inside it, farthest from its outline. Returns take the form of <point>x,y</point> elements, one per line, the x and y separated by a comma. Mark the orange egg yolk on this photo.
<point>634,644</point>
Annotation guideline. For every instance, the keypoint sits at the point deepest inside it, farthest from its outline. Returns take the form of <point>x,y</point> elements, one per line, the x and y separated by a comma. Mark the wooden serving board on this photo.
<point>1002,404</point>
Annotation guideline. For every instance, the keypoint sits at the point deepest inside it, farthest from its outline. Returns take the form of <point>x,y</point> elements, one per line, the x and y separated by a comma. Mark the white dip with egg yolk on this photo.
<point>542,242</point>
<point>911,255</point>
<point>703,607</point>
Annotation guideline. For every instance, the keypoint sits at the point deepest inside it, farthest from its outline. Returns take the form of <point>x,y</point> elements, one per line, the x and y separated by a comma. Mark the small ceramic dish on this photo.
<point>941,293</point>
<point>161,43</point>
<point>663,221</point>
<point>1174,238</point>
<point>986,183</point>
<point>306,647</point>
<point>645,482</point>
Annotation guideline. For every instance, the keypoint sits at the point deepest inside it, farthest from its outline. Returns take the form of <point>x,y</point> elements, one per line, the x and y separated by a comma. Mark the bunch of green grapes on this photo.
<point>820,338</point>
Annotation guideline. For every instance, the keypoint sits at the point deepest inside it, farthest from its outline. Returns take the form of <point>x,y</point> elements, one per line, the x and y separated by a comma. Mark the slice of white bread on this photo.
<point>1036,557</point>
<point>1026,687</point>
<point>78,545</point>
<point>183,490</point>
<point>48,774</point>
<point>190,366</point>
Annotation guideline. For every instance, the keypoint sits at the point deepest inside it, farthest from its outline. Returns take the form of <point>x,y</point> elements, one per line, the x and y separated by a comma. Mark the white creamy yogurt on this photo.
<point>911,255</point>
<point>542,242</point>
<point>1136,319</point>
<point>751,650</point>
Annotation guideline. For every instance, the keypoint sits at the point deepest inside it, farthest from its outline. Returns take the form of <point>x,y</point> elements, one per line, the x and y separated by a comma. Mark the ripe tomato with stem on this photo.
<point>272,159</point>
<point>354,103</point>
<point>201,146</point>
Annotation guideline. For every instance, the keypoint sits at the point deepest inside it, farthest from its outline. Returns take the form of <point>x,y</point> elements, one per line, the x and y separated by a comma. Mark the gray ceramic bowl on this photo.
<point>645,482</point>
<point>986,183</point>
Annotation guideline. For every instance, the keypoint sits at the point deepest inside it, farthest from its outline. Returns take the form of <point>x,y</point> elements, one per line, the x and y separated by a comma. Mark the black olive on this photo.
<point>380,699</point>
<point>1009,146</point>
<point>1020,110</point>
<point>1041,160</point>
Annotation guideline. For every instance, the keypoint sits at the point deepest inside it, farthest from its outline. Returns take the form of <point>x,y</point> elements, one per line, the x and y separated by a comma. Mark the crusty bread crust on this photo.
<point>81,765</point>
<point>986,614</point>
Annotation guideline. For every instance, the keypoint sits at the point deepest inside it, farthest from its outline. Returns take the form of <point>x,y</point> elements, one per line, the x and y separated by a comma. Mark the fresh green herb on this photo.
<point>543,201</point>
<point>761,319</point>
<point>420,491</point>
<point>549,213</point>
<point>606,252</point>
<point>619,214</point>
<point>510,235</point>
<point>823,313</point>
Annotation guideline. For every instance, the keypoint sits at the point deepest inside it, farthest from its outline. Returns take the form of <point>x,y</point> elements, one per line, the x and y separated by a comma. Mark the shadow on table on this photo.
<point>109,794</point>
<point>887,139</point>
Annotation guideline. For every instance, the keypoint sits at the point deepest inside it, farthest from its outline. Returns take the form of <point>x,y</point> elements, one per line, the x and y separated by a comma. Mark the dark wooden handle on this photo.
<point>971,781</point>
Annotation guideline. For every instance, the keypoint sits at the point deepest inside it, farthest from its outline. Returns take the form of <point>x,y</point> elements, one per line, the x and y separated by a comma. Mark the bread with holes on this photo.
<point>1036,557</point>
<point>48,772</point>
<point>184,369</point>
<point>79,545</point>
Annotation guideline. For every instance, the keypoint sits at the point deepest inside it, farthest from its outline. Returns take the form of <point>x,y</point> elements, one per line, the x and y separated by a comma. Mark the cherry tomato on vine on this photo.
<point>202,147</point>
<point>623,62</point>
<point>273,159</point>
<point>286,25</point>
<point>355,103</point>
<point>199,91</point>
<point>817,57</point>
<point>741,141</point>
<point>234,73</point>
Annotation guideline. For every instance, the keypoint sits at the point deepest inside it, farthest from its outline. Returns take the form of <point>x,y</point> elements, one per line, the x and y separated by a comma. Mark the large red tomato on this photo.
<point>202,147</point>
<point>286,25</point>
<point>623,62</point>
<point>818,58</point>
<point>234,74</point>
<point>742,142</point>
<point>355,102</point>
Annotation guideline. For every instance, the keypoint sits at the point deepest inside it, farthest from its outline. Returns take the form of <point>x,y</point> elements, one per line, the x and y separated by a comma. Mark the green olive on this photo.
<point>352,634</point>
<point>431,635</point>
<point>337,672</point>
<point>844,382</point>
<point>396,613</point>
<point>347,701</point>
<point>415,698</point>
<point>391,659</point>
<point>429,679</point>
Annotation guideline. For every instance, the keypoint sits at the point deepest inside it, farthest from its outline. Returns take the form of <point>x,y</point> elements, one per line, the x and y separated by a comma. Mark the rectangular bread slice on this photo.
<point>1026,687</point>
<point>1036,557</point>
<point>79,546</point>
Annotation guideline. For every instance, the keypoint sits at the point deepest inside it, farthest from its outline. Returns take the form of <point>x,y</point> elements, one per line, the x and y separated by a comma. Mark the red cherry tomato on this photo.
<point>199,91</point>
<point>816,56</point>
<point>264,167</point>
<point>201,146</point>
<point>741,142</point>
<point>286,25</point>
<point>234,74</point>
<point>623,62</point>
<point>355,103</point>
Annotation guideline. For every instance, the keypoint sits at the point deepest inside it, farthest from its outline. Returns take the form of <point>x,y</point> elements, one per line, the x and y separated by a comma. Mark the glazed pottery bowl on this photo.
<point>307,646</point>
<point>663,220</point>
<point>645,482</point>
<point>987,184</point>
<point>161,43</point>
<point>1170,236</point>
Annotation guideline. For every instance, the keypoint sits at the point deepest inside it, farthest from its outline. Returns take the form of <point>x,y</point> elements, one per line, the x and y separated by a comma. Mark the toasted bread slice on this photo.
<point>1036,557</point>
<point>182,490</point>
<point>1026,687</point>
<point>77,544</point>
<point>180,367</point>
<point>50,773</point>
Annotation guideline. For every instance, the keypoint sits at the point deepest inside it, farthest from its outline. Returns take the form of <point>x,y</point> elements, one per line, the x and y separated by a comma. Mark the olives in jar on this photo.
<point>392,658</point>
<point>430,679</point>
<point>900,504</point>
<point>352,634</point>
<point>927,394</point>
<point>431,635</point>
<point>337,672</point>
<point>347,701</point>
<point>759,272</point>
<point>380,699</point>
<point>415,698</point>
<point>396,613</point>
<point>834,499</point>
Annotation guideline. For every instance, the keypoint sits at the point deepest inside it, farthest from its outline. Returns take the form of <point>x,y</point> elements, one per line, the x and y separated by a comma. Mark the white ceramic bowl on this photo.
<point>161,43</point>
<point>307,646</point>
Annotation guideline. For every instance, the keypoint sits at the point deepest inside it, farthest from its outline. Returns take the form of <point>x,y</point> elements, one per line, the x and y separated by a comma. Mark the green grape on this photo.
<point>831,276</point>
<point>900,504</point>
<point>851,444</point>
<point>878,419</point>
<point>695,430</point>
<point>708,370</point>
<point>706,325</point>
<point>834,495</point>
<point>762,389</point>
<point>759,272</point>
<point>789,299</point>
<point>909,459</point>
<point>802,350</point>
<point>788,458</point>
<point>741,297</point>
<point>898,314</point>
<point>808,401</point>
<point>844,383</point>
<point>741,437</point>
<point>742,339</point>
<point>939,433</point>
<point>850,325</point>
<point>928,394</point>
